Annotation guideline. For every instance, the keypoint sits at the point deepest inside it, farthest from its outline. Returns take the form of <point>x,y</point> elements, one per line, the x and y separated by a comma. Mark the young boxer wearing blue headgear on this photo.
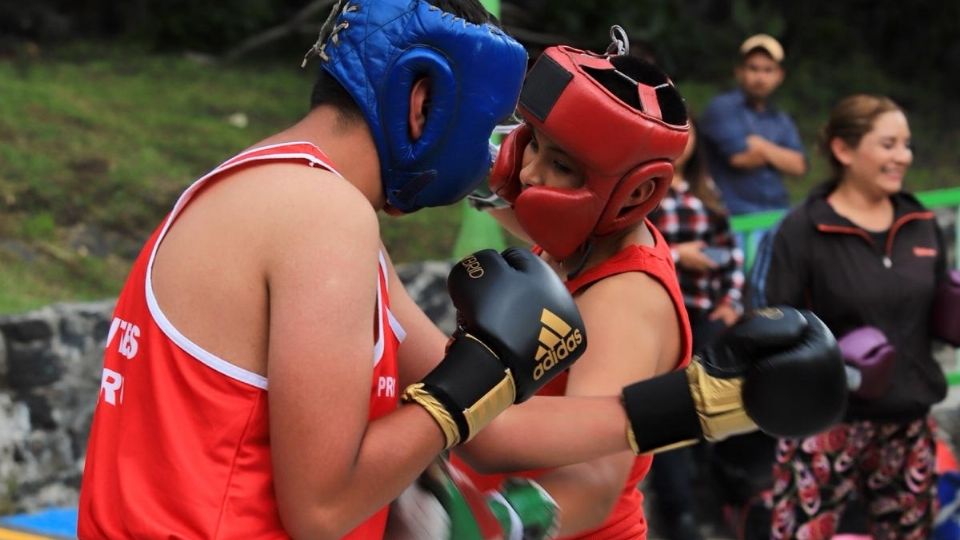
<point>379,56</point>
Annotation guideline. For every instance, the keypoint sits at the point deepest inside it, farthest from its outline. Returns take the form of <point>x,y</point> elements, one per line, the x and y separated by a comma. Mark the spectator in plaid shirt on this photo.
<point>691,218</point>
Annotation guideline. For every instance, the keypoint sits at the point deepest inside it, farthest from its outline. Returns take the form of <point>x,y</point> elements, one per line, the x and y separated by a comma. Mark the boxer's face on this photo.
<point>546,164</point>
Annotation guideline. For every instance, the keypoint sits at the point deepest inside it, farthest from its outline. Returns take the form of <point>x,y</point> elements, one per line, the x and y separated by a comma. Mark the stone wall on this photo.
<point>50,362</point>
<point>50,365</point>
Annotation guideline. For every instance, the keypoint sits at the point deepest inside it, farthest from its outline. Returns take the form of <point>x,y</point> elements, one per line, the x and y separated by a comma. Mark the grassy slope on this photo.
<point>96,142</point>
<point>103,140</point>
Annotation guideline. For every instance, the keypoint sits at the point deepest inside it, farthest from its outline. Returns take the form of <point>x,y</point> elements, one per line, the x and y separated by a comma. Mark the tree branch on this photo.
<point>295,24</point>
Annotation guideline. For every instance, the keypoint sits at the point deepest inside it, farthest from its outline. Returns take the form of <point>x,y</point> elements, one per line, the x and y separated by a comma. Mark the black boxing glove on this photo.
<point>800,391</point>
<point>759,333</point>
<point>518,327</point>
<point>778,368</point>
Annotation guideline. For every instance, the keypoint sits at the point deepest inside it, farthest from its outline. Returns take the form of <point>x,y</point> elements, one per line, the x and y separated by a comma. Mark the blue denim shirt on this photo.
<point>725,124</point>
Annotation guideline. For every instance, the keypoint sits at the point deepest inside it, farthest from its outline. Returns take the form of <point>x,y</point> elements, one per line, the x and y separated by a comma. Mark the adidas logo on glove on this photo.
<point>557,341</point>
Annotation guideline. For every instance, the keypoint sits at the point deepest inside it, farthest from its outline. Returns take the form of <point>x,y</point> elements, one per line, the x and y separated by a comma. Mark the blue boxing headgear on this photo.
<point>379,48</point>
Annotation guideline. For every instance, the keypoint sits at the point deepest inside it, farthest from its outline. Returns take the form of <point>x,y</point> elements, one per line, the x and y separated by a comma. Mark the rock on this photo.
<point>32,364</point>
<point>50,365</point>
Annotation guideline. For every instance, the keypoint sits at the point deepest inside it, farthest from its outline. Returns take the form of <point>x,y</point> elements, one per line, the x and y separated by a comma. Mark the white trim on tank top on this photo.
<point>398,330</point>
<point>206,357</point>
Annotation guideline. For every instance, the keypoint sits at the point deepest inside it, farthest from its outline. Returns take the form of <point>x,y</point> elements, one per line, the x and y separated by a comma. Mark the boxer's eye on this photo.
<point>562,168</point>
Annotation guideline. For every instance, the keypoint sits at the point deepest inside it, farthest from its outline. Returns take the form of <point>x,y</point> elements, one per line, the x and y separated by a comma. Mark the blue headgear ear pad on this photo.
<point>474,71</point>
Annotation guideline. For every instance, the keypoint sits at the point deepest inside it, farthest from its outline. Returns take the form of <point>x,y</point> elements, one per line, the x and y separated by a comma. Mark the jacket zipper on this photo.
<point>887,261</point>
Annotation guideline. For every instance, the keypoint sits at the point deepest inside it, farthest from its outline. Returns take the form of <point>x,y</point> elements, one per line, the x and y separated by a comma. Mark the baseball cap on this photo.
<point>765,42</point>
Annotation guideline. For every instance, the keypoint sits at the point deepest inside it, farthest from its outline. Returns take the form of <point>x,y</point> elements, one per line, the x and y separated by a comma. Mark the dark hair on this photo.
<point>643,50</point>
<point>328,91</point>
<point>852,118</point>
<point>470,10</point>
<point>698,177</point>
<point>672,108</point>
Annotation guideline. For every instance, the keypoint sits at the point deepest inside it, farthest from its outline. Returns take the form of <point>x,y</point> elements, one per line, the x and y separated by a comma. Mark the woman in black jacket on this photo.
<point>862,252</point>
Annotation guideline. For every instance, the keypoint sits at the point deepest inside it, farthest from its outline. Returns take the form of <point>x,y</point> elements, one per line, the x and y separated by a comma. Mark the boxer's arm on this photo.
<point>332,469</point>
<point>628,312</point>
<point>423,346</point>
<point>603,418</point>
<point>563,431</point>
<point>592,427</point>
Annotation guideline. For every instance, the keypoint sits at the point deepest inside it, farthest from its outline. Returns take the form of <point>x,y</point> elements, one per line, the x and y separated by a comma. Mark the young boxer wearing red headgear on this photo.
<point>593,157</point>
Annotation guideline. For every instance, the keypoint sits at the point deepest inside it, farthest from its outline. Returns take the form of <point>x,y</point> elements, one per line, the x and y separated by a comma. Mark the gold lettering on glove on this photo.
<point>472,266</point>
<point>557,341</point>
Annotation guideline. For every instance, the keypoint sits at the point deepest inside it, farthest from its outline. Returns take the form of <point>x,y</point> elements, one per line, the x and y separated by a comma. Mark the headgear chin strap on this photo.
<point>379,48</point>
<point>619,144</point>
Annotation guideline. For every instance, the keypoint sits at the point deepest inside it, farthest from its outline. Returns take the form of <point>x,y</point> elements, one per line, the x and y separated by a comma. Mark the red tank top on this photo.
<point>627,520</point>
<point>179,447</point>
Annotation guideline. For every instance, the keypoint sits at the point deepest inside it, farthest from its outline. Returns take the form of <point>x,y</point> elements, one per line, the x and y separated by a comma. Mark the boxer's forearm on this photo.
<point>550,432</point>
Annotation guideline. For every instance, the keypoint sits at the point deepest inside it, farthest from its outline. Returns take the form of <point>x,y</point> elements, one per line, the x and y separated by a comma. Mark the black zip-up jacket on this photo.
<point>823,262</point>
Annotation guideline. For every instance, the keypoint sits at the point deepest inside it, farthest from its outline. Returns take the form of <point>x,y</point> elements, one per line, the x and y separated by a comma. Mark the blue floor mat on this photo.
<point>54,523</point>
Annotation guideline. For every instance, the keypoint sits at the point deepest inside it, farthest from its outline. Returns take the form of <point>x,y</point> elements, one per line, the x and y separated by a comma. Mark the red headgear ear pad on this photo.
<point>618,215</point>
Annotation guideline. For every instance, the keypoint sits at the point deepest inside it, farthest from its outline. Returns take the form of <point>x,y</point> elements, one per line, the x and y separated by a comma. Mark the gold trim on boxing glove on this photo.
<point>719,404</point>
<point>632,441</point>
<point>482,344</point>
<point>491,404</point>
<point>674,446</point>
<point>416,394</point>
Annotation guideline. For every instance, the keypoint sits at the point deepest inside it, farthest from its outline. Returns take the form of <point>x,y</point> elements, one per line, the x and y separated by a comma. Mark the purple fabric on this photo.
<point>945,318</point>
<point>868,350</point>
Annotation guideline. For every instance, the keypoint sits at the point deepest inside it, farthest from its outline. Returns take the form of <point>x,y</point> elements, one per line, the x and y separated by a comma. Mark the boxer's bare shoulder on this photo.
<point>256,232</point>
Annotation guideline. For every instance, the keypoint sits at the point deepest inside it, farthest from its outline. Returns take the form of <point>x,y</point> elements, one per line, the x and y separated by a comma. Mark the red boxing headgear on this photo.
<point>623,128</point>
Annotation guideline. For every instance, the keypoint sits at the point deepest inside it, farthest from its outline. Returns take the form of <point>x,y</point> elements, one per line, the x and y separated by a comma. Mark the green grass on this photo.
<point>37,279</point>
<point>108,139</point>
<point>112,141</point>
<point>101,138</point>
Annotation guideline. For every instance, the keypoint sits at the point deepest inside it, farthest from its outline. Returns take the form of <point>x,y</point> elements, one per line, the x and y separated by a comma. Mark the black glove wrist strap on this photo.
<point>661,412</point>
<point>466,380</point>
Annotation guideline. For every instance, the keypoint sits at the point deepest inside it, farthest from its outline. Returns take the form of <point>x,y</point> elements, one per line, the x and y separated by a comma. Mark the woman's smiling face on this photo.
<point>883,156</point>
